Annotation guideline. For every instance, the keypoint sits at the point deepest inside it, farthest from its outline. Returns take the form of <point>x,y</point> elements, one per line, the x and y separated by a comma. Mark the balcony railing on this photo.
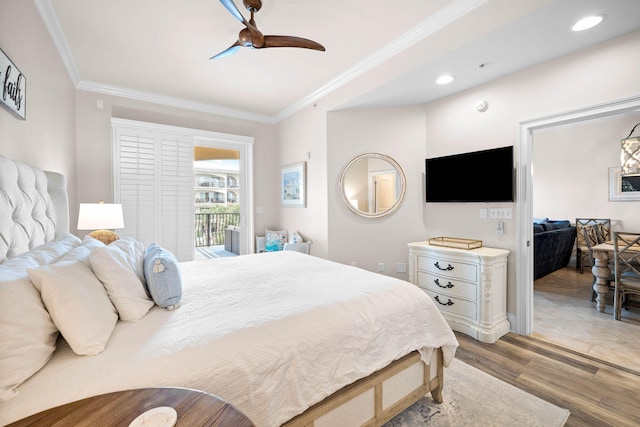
<point>210,227</point>
<point>212,184</point>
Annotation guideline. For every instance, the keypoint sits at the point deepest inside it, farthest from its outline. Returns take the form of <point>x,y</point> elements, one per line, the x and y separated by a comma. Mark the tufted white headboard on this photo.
<point>34,207</point>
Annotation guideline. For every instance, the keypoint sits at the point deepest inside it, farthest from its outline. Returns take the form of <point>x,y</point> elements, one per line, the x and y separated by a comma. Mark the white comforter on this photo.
<point>271,333</point>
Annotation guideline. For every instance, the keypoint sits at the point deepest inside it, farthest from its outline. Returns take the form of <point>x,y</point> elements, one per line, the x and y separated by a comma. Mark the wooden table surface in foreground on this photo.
<point>194,408</point>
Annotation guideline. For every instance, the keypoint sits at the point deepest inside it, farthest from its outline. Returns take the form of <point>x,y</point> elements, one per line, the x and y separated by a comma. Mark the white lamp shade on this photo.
<point>99,216</point>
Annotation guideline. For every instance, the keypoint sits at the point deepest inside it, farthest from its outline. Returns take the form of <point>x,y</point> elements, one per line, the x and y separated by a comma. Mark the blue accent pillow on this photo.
<point>275,240</point>
<point>164,280</point>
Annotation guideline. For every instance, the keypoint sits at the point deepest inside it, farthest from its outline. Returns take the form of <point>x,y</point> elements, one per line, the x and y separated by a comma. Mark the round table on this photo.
<point>194,408</point>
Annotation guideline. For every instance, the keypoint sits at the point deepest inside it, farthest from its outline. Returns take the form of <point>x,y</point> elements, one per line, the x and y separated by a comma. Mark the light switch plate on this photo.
<point>500,213</point>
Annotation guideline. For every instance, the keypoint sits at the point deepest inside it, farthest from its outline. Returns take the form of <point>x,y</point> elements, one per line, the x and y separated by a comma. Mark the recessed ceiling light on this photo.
<point>586,23</point>
<point>444,79</point>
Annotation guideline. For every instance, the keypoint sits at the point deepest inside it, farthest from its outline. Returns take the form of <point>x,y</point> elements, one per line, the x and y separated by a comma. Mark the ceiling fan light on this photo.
<point>444,79</point>
<point>586,23</point>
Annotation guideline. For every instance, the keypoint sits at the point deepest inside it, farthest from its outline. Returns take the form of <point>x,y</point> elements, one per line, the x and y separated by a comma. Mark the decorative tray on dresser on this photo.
<point>468,286</point>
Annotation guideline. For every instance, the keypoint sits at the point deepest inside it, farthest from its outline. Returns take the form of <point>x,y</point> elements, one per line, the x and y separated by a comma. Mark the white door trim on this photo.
<point>524,208</point>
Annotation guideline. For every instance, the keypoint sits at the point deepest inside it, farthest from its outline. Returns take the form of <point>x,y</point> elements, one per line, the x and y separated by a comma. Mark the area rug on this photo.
<point>475,398</point>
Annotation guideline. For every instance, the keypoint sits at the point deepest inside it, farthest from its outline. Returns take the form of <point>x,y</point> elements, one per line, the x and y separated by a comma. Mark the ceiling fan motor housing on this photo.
<point>252,5</point>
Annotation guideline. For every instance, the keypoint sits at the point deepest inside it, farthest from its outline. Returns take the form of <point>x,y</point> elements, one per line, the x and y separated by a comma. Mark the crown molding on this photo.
<point>172,102</point>
<point>426,28</point>
<point>50,20</point>
<point>429,26</point>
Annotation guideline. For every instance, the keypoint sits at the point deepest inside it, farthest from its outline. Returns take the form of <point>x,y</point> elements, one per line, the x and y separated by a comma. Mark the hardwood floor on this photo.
<point>570,359</point>
<point>596,393</point>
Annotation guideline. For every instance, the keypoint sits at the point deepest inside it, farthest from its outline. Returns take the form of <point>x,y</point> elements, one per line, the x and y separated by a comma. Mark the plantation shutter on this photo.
<point>154,183</point>
<point>177,216</point>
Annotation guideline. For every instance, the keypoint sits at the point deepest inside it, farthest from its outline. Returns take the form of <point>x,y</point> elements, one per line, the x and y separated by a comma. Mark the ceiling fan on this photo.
<point>251,37</point>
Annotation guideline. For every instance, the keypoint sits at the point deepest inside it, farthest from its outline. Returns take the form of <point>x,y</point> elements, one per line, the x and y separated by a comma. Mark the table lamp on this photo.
<point>103,218</point>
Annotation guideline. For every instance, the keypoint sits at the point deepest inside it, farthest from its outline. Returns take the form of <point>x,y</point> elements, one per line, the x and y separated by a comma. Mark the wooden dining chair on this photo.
<point>627,269</point>
<point>601,231</point>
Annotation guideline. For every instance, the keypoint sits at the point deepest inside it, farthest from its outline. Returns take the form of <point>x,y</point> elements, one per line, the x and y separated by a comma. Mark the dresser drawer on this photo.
<point>447,285</point>
<point>453,305</point>
<point>449,268</point>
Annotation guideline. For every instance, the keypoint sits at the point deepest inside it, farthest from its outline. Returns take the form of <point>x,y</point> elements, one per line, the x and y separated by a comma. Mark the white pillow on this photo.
<point>134,252</point>
<point>78,304</point>
<point>82,251</point>
<point>27,333</point>
<point>43,254</point>
<point>112,265</point>
<point>296,238</point>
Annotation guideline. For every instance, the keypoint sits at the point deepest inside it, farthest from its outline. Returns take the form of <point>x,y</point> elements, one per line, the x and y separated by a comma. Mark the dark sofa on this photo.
<point>552,245</point>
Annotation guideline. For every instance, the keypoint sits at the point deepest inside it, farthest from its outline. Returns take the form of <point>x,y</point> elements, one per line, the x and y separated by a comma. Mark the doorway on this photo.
<point>154,181</point>
<point>524,207</point>
<point>230,184</point>
<point>383,189</point>
<point>217,201</point>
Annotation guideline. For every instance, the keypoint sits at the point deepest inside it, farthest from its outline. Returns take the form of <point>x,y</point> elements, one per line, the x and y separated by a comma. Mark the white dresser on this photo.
<point>468,286</point>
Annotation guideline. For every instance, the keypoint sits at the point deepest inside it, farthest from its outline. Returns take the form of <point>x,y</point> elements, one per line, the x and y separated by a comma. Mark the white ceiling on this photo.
<point>159,51</point>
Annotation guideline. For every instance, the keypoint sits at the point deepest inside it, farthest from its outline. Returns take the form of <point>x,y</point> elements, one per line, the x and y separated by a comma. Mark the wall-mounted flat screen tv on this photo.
<point>480,176</point>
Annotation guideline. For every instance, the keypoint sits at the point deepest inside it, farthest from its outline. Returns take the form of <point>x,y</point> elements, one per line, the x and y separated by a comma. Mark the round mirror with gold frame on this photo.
<point>372,185</point>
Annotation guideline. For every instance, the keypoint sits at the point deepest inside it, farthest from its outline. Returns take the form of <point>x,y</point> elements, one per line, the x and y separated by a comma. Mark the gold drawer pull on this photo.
<point>449,267</point>
<point>448,286</point>
<point>449,302</point>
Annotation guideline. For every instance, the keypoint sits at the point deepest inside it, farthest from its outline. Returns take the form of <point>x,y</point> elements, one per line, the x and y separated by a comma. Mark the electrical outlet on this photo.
<point>500,228</point>
<point>381,267</point>
<point>401,267</point>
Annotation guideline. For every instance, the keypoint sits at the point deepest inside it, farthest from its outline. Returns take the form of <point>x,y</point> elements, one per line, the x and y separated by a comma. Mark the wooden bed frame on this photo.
<point>369,402</point>
<point>376,399</point>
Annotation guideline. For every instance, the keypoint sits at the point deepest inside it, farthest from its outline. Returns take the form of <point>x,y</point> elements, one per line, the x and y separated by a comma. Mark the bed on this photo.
<point>287,338</point>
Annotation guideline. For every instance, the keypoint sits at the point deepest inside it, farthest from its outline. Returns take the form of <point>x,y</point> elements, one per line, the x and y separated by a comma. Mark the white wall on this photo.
<point>452,125</point>
<point>400,133</point>
<point>303,139</point>
<point>565,84</point>
<point>65,130</point>
<point>94,145</point>
<point>571,171</point>
<point>46,138</point>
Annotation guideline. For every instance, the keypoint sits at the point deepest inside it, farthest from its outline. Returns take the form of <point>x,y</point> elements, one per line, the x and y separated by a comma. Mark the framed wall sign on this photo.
<point>623,188</point>
<point>293,189</point>
<point>14,87</point>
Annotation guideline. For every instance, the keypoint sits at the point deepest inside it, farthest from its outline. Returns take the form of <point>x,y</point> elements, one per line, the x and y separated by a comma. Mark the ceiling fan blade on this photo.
<point>250,36</point>
<point>231,7</point>
<point>291,41</point>
<point>229,51</point>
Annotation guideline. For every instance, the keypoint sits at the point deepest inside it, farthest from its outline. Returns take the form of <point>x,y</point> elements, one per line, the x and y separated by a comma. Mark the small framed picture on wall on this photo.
<point>293,185</point>
<point>14,87</point>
